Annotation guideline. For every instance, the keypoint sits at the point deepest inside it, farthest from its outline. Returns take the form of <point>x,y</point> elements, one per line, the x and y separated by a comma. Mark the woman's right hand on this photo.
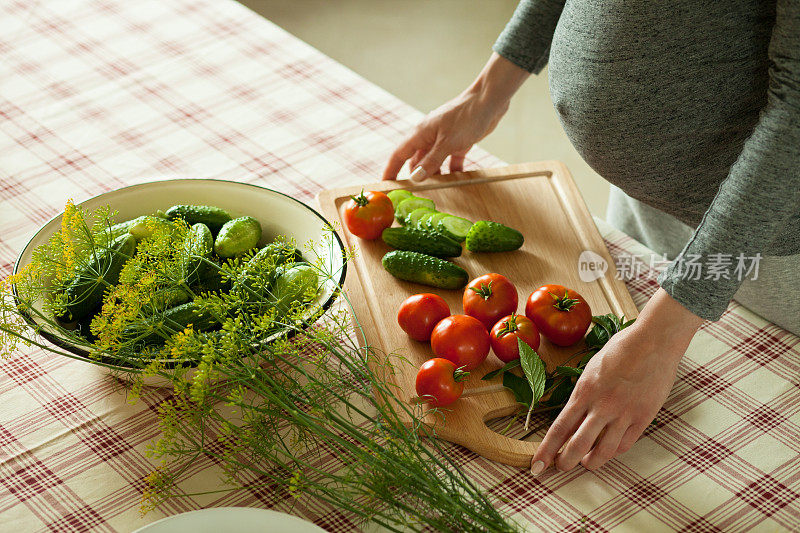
<point>453,128</point>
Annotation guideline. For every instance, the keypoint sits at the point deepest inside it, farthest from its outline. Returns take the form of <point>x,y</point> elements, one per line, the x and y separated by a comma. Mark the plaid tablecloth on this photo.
<point>99,94</point>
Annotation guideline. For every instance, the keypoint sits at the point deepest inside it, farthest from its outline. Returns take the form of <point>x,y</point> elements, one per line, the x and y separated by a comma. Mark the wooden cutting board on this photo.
<point>539,199</point>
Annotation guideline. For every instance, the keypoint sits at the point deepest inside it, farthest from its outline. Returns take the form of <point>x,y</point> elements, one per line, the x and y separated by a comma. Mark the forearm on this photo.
<point>499,80</point>
<point>666,325</point>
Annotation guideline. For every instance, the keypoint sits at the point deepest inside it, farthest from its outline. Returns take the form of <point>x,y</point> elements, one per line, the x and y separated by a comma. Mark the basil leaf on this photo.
<point>508,366</point>
<point>534,369</point>
<point>519,387</point>
<point>605,327</point>
<point>568,371</point>
<point>602,330</point>
<point>561,393</point>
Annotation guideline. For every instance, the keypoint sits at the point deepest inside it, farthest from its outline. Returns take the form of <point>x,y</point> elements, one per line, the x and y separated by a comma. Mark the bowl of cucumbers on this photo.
<point>226,229</point>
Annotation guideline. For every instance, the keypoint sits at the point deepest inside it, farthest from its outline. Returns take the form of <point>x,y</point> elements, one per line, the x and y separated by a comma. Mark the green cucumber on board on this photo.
<point>454,227</point>
<point>487,236</point>
<point>211,216</point>
<point>398,195</point>
<point>417,240</point>
<point>405,207</point>
<point>416,215</point>
<point>421,221</point>
<point>425,269</point>
<point>432,223</point>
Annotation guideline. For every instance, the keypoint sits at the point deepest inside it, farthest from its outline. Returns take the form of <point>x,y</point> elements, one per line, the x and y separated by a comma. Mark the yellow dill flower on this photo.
<point>69,222</point>
<point>295,484</point>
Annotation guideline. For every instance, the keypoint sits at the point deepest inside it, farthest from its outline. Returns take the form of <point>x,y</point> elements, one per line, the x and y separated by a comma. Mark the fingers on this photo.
<point>431,163</point>
<point>407,149</point>
<point>606,447</point>
<point>629,438</point>
<point>580,443</point>
<point>561,430</point>
<point>415,159</point>
<point>457,162</point>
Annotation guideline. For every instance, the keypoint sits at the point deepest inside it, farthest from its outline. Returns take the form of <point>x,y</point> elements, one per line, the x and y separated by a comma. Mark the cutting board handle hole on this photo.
<point>513,426</point>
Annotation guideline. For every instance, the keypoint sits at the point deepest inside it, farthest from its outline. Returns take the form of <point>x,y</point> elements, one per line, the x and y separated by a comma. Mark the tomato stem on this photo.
<point>460,375</point>
<point>485,291</point>
<point>360,200</point>
<point>509,326</point>
<point>564,303</point>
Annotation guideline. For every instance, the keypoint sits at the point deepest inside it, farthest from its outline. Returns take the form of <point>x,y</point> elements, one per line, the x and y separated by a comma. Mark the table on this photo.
<point>97,94</point>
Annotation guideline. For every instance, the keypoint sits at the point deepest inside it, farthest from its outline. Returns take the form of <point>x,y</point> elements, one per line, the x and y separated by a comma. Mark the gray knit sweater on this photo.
<point>690,107</point>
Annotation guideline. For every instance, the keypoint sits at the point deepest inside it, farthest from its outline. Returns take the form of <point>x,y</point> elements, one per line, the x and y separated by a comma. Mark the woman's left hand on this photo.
<point>621,390</point>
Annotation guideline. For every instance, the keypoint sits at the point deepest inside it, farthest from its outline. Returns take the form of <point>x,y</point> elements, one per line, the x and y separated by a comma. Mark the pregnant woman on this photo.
<point>692,111</point>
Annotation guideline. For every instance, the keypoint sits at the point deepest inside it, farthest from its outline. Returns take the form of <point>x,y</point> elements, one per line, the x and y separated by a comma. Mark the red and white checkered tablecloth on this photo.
<point>99,94</point>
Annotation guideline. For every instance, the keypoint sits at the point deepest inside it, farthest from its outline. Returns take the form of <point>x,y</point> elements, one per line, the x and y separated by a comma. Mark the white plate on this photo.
<point>238,519</point>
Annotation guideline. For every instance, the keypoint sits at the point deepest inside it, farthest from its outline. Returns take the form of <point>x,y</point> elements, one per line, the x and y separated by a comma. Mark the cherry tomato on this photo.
<point>420,313</point>
<point>504,336</point>
<point>461,339</point>
<point>439,382</point>
<point>368,214</point>
<point>489,298</point>
<point>561,314</point>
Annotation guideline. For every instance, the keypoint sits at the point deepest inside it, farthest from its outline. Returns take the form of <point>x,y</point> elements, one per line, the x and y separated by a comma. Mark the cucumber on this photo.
<point>260,272</point>
<point>425,269</point>
<point>398,195</point>
<point>85,325</point>
<point>169,298</point>
<point>179,317</point>
<point>212,282</point>
<point>147,226</point>
<point>118,229</point>
<point>85,291</point>
<point>454,227</point>
<point>237,236</point>
<point>432,223</point>
<point>211,216</point>
<point>405,207</point>
<point>295,284</point>
<point>199,245</point>
<point>486,236</point>
<point>416,215</point>
<point>417,240</point>
<point>421,221</point>
<point>174,321</point>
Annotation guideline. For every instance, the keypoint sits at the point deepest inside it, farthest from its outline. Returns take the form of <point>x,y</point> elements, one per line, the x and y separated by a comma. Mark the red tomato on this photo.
<point>461,339</point>
<point>368,214</point>
<point>439,382</point>
<point>561,314</point>
<point>504,336</point>
<point>420,313</point>
<point>489,298</point>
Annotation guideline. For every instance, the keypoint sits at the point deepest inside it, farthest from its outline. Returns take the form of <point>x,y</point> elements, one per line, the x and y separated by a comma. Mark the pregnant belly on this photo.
<point>658,103</point>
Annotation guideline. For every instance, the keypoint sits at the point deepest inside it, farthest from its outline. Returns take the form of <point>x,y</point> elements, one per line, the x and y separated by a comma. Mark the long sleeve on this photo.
<point>525,41</point>
<point>760,198</point>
